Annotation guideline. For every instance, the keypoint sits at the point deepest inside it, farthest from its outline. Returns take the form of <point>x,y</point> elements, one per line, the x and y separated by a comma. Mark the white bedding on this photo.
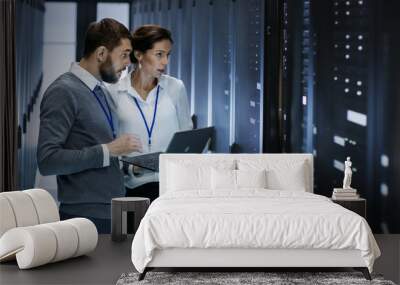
<point>251,218</point>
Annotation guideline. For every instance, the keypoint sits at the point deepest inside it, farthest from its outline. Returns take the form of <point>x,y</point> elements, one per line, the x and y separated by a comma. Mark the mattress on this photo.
<point>251,219</point>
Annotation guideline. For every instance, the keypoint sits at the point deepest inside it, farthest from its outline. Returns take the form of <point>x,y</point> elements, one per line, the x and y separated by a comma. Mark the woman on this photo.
<point>150,104</point>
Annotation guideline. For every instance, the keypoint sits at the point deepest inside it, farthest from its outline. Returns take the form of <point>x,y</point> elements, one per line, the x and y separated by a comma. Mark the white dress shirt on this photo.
<point>90,81</point>
<point>172,115</point>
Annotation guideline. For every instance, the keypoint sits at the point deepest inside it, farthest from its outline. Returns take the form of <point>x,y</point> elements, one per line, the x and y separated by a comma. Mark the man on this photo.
<point>77,137</point>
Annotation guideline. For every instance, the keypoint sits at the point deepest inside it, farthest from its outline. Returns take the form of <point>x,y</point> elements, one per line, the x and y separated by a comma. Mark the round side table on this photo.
<point>119,209</point>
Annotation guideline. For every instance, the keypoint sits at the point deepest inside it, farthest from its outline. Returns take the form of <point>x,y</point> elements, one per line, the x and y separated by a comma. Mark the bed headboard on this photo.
<point>202,159</point>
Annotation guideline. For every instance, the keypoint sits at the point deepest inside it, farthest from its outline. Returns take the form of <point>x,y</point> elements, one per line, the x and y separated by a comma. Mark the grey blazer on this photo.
<point>72,128</point>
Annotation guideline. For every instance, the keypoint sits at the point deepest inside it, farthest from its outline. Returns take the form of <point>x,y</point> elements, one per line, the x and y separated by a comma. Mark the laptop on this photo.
<point>191,141</point>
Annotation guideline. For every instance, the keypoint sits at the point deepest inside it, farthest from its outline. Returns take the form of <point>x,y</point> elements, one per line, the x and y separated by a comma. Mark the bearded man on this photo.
<point>78,127</point>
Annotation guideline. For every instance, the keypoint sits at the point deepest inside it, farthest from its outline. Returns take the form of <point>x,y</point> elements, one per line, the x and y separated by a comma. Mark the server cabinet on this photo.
<point>218,54</point>
<point>248,74</point>
<point>222,52</point>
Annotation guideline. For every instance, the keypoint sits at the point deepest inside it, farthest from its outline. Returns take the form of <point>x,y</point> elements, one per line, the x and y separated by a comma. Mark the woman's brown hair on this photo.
<point>144,37</point>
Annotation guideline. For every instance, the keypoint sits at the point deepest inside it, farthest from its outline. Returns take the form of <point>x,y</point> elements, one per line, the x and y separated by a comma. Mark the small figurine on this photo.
<point>347,174</point>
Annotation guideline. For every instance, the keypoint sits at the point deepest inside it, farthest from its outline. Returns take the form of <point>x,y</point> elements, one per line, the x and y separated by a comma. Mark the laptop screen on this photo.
<point>191,141</point>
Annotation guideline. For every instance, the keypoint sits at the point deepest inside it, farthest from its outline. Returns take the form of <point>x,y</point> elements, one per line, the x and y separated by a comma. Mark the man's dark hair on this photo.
<point>108,32</point>
<point>144,37</point>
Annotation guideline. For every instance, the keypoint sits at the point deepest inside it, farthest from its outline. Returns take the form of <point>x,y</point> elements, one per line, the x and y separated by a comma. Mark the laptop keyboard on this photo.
<point>148,160</point>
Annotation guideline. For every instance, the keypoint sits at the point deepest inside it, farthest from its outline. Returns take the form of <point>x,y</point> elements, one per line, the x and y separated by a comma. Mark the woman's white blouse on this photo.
<point>172,115</point>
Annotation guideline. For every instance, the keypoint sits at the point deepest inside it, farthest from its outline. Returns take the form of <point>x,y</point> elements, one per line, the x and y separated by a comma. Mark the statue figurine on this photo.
<point>347,174</point>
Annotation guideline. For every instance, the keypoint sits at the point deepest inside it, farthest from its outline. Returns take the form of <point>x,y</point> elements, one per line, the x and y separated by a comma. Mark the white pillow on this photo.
<point>183,178</point>
<point>289,175</point>
<point>223,179</point>
<point>251,178</point>
<point>235,179</point>
<point>186,175</point>
<point>292,179</point>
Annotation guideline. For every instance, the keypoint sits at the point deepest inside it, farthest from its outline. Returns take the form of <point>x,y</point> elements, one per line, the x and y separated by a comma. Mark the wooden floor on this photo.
<point>110,260</point>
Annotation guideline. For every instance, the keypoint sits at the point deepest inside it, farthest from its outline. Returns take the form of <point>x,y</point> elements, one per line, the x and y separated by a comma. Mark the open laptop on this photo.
<point>191,141</point>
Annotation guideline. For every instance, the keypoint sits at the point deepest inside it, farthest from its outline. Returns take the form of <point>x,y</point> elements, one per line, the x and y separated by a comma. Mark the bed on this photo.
<point>246,211</point>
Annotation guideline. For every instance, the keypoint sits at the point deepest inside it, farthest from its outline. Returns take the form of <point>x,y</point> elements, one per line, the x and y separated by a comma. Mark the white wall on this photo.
<point>117,11</point>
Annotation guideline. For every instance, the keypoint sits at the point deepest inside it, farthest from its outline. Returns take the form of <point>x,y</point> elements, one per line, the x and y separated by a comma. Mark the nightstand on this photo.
<point>358,206</point>
<point>120,207</point>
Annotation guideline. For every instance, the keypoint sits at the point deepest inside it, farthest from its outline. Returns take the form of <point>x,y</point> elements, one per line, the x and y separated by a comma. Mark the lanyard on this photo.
<point>149,130</point>
<point>107,114</point>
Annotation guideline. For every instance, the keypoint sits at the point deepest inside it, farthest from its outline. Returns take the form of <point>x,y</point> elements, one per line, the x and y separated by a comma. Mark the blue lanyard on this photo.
<point>149,130</point>
<point>107,114</point>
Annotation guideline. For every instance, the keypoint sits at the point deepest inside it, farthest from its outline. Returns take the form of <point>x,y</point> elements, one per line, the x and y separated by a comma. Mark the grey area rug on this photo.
<point>233,278</point>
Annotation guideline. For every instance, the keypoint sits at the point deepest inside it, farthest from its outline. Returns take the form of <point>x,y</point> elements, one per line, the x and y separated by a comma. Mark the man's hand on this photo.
<point>125,144</point>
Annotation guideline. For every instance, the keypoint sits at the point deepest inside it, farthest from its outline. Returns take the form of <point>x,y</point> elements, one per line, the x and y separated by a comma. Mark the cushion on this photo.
<point>26,208</point>
<point>87,233</point>
<point>291,175</point>
<point>7,218</point>
<point>23,208</point>
<point>223,179</point>
<point>46,208</point>
<point>186,175</point>
<point>227,179</point>
<point>251,178</point>
<point>32,246</point>
<point>66,237</point>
